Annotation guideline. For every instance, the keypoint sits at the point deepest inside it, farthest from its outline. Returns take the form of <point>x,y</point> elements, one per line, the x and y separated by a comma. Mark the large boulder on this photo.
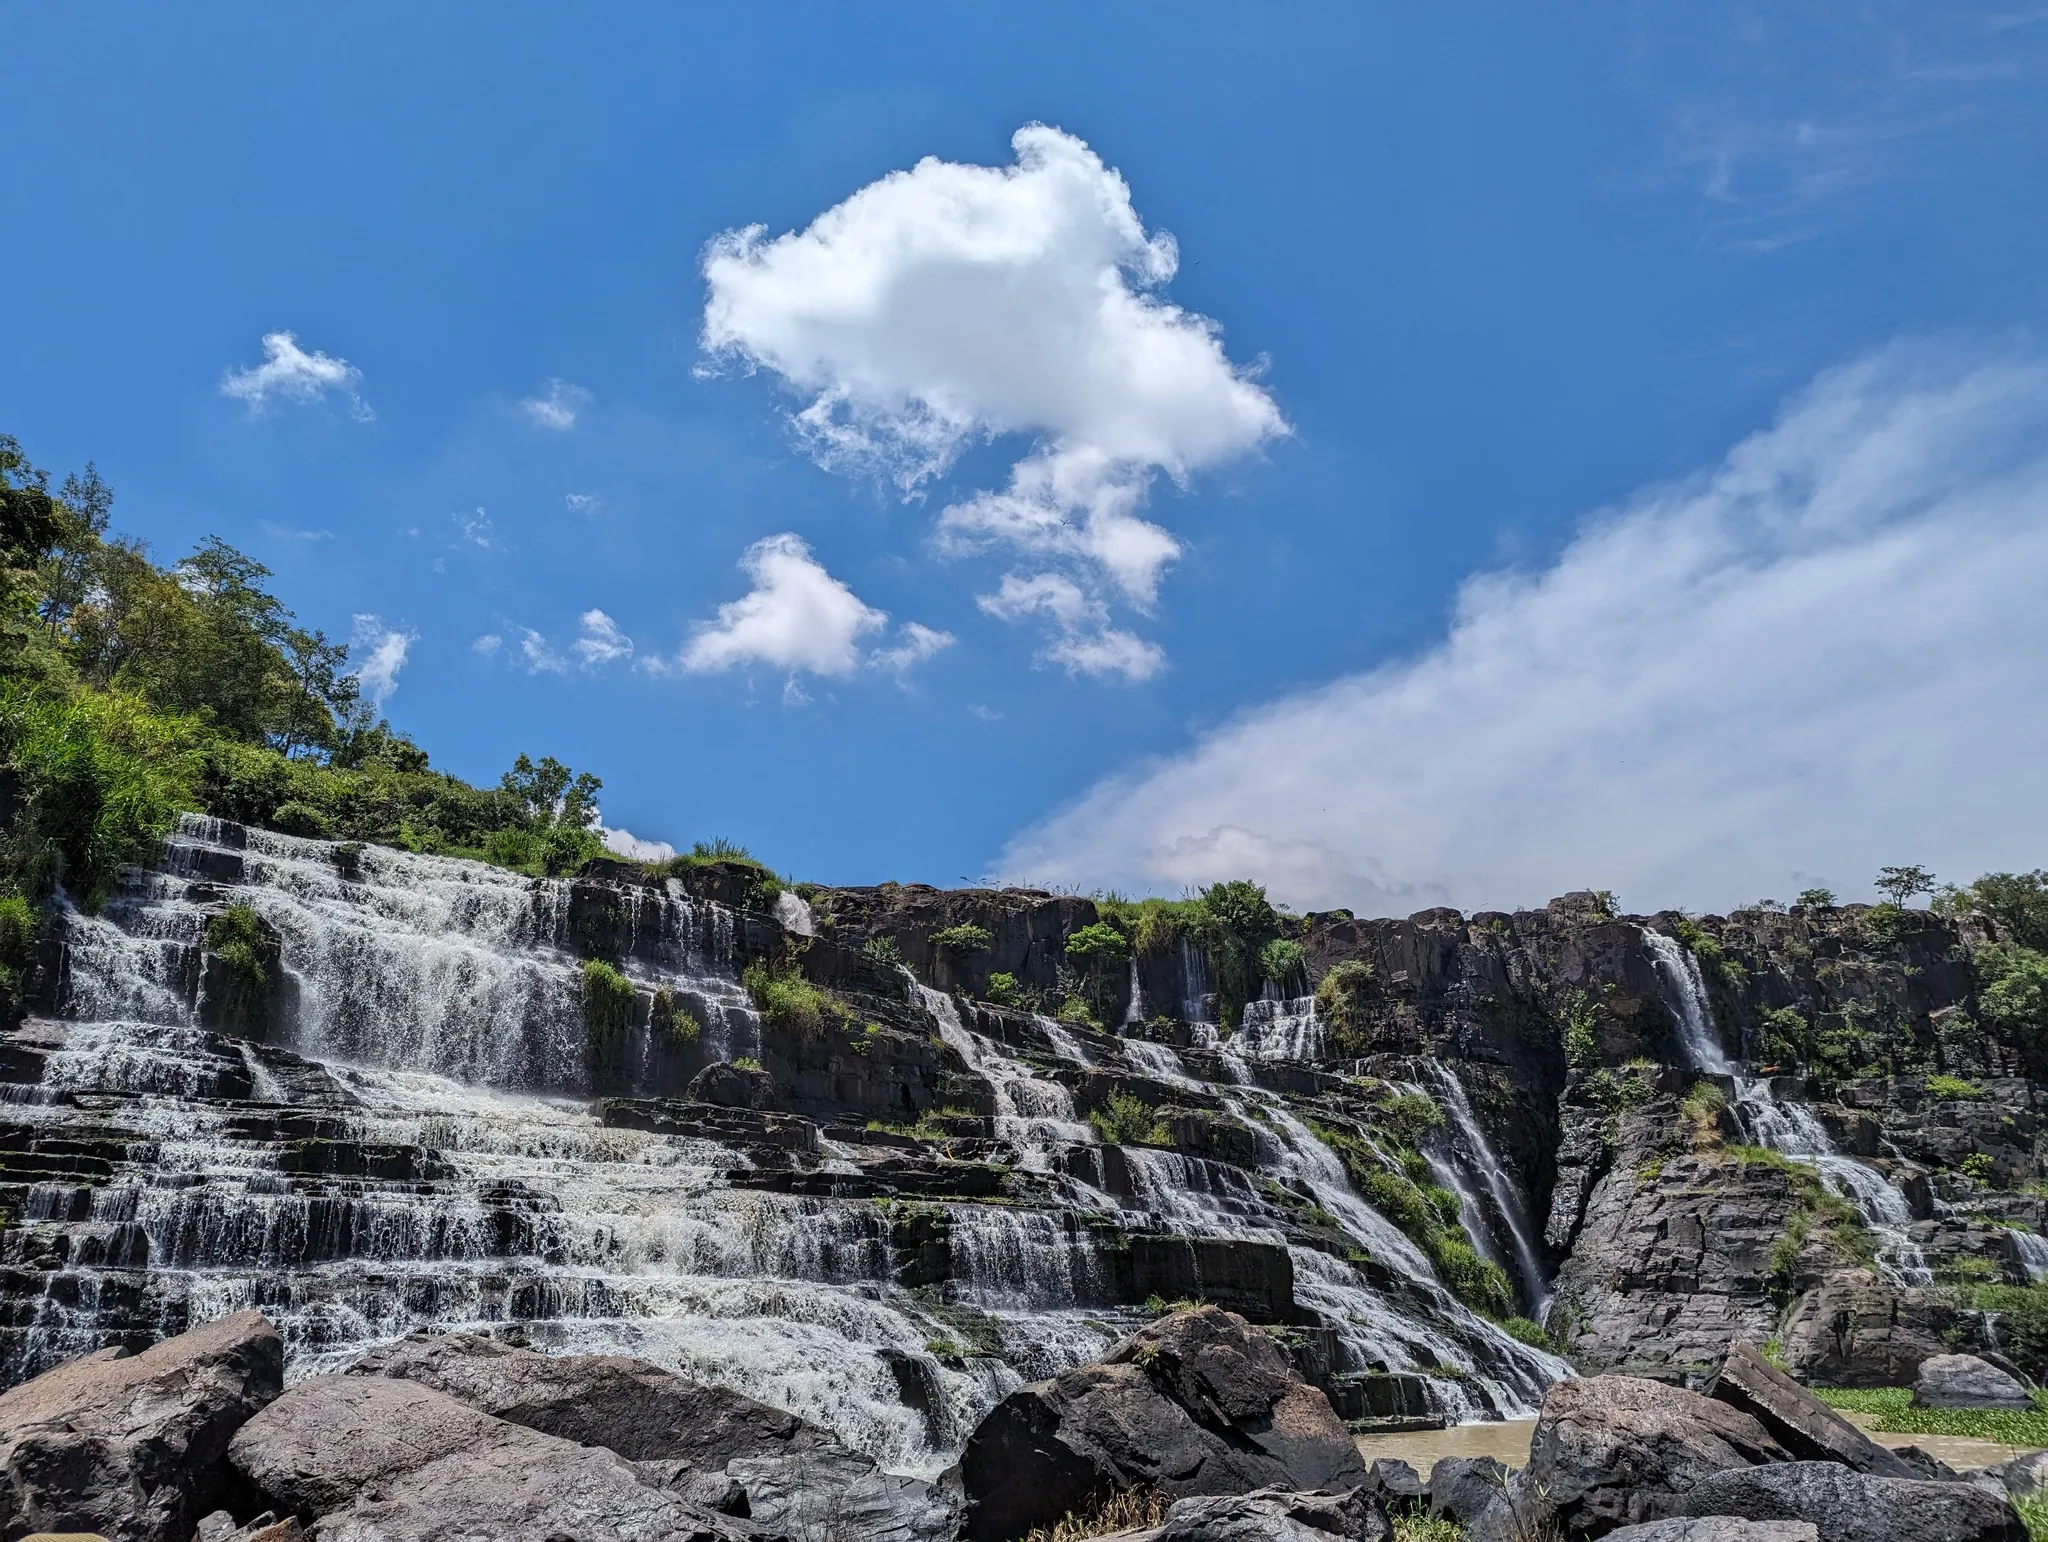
<point>1964,1381</point>
<point>1799,1421</point>
<point>790,1475</point>
<point>1198,1403</point>
<point>626,1405</point>
<point>133,1446</point>
<point>1856,1330</point>
<point>1463,1488</point>
<point>1273,1515</point>
<point>375,1459</point>
<point>1847,1506</point>
<point>1612,1450</point>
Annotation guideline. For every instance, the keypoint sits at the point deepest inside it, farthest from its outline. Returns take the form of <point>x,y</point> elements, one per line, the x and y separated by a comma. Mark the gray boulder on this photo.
<point>133,1445</point>
<point>1847,1506</point>
<point>1855,1330</point>
<point>2025,1474</point>
<point>1397,1480</point>
<point>626,1405</point>
<point>1964,1381</point>
<point>1716,1528</point>
<point>384,1460</point>
<point>1612,1450</point>
<point>1198,1403</point>
<point>1273,1515</point>
<point>793,1476</point>
<point>1466,1487</point>
<point>1799,1421</point>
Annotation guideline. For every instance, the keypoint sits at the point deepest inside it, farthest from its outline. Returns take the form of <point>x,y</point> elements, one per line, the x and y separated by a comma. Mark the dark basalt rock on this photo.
<point>1855,1330</point>
<point>1964,1381</point>
<point>1466,1487</point>
<point>732,1086</point>
<point>1198,1403</point>
<point>1847,1506</point>
<point>1716,1528</point>
<point>133,1446</point>
<point>1801,1422</point>
<point>1613,1450</point>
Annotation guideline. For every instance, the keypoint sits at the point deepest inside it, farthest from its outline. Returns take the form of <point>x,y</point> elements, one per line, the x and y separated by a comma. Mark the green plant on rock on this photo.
<point>1341,1005</point>
<point>1125,1119</point>
<point>1282,960</point>
<point>1004,990</point>
<point>1233,925</point>
<point>1782,1037</point>
<point>1815,899</point>
<point>964,939</point>
<point>672,1018</point>
<point>1097,954</point>
<point>1408,1116</point>
<point>787,1001</point>
<point>1075,1011</point>
<point>1581,1015</point>
<point>1900,884</point>
<point>608,1004</point>
<point>1953,1089</point>
<point>247,950</point>
<point>745,1063</point>
<point>883,951</point>
<point>19,927</point>
<point>1523,1331</point>
<point>1978,1167</point>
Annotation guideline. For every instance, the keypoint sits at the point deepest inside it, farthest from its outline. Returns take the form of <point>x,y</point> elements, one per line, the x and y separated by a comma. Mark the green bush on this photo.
<point>1581,1030</point>
<point>1953,1089</point>
<point>1481,1285</point>
<point>247,949</point>
<point>1004,990</point>
<point>965,938</point>
<point>787,1001</point>
<point>882,951</point>
<point>608,1003</point>
<point>19,927</point>
<point>296,818</point>
<point>1523,1331</point>
<point>1126,1119</point>
<point>1281,960</point>
<point>1075,1010</point>
<point>1408,1116</point>
<point>673,1019</point>
<point>1097,945</point>
<point>1341,1006</point>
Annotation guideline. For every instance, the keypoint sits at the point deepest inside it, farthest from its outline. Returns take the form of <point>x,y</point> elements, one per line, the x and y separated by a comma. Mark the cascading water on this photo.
<point>1687,991</point>
<point>1794,1131</point>
<point>1277,1029</point>
<point>1473,1158</point>
<point>418,1142</point>
<point>2031,1248</point>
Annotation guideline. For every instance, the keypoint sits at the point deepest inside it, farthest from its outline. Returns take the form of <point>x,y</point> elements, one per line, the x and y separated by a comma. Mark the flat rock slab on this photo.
<point>1964,1381</point>
<point>385,1460</point>
<point>1716,1528</point>
<point>1272,1515</point>
<point>1612,1450</point>
<point>1848,1506</point>
<point>132,1445</point>
<point>1800,1422</point>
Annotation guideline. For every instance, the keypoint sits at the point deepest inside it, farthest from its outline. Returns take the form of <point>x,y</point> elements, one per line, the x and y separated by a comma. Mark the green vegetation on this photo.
<point>2012,992</point>
<point>673,1019</point>
<point>608,1004</point>
<point>1096,955</point>
<point>1817,1211</point>
<point>1341,1005</point>
<point>787,1001</point>
<point>1702,1107</point>
<point>1527,1332</point>
<point>19,924</point>
<point>1581,1030</point>
<point>1420,1526</point>
<point>1895,1415</point>
<point>247,950</point>
<point>745,1063</point>
<point>1953,1089</point>
<point>1128,1120</point>
<point>1281,960</point>
<point>2017,902</point>
<point>2022,1321</point>
<point>1782,1037</point>
<point>964,939</point>
<point>882,951</point>
<point>1004,990</point>
<point>1900,884</point>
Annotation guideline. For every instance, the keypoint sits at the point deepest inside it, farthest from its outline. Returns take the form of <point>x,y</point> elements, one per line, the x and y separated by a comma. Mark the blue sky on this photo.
<point>1461,585</point>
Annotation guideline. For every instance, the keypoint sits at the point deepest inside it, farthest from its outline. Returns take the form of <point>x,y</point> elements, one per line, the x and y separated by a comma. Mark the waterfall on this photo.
<point>1794,1131</point>
<point>1276,1029</point>
<point>1194,974</point>
<point>1134,1009</point>
<point>1475,1156</point>
<point>1687,994</point>
<point>2031,1248</point>
<point>419,1144</point>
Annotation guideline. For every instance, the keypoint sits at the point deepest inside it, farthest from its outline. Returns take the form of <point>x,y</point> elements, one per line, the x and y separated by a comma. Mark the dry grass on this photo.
<point>1126,1510</point>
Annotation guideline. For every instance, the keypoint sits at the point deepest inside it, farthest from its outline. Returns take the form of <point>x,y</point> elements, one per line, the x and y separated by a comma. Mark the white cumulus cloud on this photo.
<point>558,407</point>
<point>540,656</point>
<point>290,374</point>
<point>1820,656</point>
<point>380,651</point>
<point>948,304</point>
<point>915,643</point>
<point>1082,640</point>
<point>625,843</point>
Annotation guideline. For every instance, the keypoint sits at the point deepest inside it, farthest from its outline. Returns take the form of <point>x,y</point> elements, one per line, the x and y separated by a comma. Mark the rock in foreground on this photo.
<point>1846,1506</point>
<point>132,1446</point>
<point>1613,1450</point>
<point>1271,1515</point>
<point>1795,1418</point>
<point>1964,1381</point>
<point>1200,1403</point>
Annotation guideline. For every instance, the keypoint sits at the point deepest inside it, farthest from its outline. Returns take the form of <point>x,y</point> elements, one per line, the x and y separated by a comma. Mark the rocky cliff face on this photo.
<point>835,1156</point>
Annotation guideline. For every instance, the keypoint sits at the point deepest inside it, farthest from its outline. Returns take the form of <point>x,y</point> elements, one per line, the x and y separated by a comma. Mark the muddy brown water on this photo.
<point>1508,1442</point>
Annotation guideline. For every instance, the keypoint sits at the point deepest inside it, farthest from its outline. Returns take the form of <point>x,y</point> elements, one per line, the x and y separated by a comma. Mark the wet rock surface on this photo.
<point>1848,1506</point>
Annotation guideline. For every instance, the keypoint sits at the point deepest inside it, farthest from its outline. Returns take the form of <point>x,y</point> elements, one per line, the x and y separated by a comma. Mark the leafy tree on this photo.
<point>1234,924</point>
<point>2018,902</point>
<point>1281,960</point>
<point>1341,1006</point>
<point>551,794</point>
<point>1900,884</point>
<point>1815,899</point>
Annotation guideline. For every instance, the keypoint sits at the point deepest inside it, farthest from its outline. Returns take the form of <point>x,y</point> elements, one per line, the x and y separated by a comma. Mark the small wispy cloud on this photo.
<point>558,407</point>
<point>289,373</point>
<point>914,645</point>
<point>541,659</point>
<point>284,533</point>
<point>602,642</point>
<point>381,652</point>
<point>487,645</point>
<point>1082,640</point>
<point>583,503</point>
<point>475,529</point>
